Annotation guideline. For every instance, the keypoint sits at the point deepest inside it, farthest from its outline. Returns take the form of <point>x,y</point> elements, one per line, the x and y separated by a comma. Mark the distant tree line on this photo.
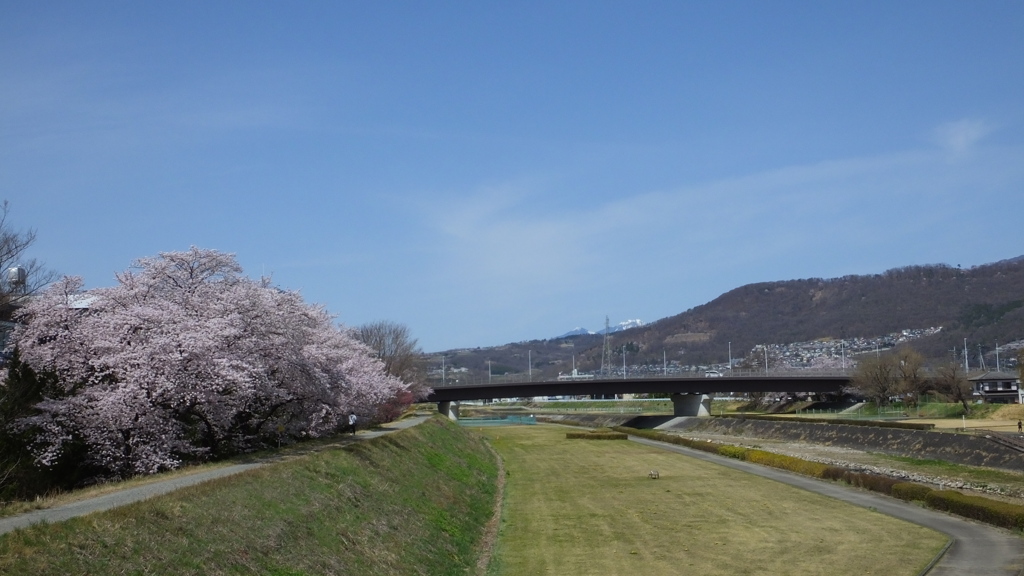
<point>902,375</point>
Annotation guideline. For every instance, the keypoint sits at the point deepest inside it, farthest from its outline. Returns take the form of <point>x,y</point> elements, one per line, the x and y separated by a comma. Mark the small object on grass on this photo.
<point>653,475</point>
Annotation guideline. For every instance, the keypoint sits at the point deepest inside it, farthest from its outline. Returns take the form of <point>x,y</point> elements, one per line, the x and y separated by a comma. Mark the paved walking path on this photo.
<point>977,549</point>
<point>130,495</point>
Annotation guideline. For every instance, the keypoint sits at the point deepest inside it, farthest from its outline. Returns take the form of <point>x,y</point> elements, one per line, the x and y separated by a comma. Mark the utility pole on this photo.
<point>529,360</point>
<point>967,367</point>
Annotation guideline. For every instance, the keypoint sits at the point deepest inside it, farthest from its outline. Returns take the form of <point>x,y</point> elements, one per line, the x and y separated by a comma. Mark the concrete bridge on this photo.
<point>690,395</point>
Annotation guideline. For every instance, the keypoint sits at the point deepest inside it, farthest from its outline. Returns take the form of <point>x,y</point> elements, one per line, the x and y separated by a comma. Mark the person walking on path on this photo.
<point>352,421</point>
<point>1020,426</point>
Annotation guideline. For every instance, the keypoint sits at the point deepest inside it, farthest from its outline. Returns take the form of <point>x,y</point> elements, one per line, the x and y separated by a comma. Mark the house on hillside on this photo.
<point>997,388</point>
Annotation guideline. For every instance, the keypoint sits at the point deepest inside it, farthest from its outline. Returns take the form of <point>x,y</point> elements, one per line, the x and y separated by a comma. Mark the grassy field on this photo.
<point>588,507</point>
<point>414,502</point>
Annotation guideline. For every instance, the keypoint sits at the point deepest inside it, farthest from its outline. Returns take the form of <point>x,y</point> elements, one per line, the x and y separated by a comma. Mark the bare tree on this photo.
<point>13,247</point>
<point>952,381</point>
<point>392,343</point>
<point>910,367</point>
<point>877,378</point>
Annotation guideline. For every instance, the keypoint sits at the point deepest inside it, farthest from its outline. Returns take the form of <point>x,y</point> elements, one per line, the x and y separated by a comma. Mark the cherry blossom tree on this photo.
<point>187,359</point>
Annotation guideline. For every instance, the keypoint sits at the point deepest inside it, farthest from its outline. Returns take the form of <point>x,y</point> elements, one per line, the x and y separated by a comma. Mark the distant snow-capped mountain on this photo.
<point>626,325</point>
<point>611,329</point>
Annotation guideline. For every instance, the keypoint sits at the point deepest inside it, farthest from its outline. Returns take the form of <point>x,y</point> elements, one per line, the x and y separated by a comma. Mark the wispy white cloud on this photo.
<point>503,234</point>
<point>820,219</point>
<point>962,135</point>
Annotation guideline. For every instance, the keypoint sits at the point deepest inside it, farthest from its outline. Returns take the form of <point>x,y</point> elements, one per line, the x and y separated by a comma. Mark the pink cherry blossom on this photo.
<point>187,359</point>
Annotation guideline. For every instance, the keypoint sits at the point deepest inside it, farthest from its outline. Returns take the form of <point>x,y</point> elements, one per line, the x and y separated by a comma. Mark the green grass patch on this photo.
<point>729,406</point>
<point>414,501</point>
<point>938,410</point>
<point>831,420</point>
<point>942,468</point>
<point>591,508</point>
<point>596,435</point>
<point>982,411</point>
<point>926,462</point>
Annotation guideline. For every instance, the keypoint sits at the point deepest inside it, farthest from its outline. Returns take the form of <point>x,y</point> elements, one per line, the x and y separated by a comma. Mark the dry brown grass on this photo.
<point>590,508</point>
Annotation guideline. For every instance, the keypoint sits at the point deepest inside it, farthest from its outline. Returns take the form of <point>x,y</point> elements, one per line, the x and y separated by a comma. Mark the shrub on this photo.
<point>783,462</point>
<point>704,446</point>
<point>835,473</point>
<point>873,482</point>
<point>989,511</point>
<point>736,452</point>
<point>910,491</point>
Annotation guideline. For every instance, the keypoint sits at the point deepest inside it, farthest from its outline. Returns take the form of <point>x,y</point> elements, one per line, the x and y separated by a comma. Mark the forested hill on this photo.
<point>984,304</point>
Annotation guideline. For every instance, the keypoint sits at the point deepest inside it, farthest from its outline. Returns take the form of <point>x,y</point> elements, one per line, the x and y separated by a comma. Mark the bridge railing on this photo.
<point>526,378</point>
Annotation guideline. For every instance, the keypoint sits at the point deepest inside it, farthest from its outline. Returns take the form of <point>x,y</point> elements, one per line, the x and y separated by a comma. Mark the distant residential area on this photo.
<point>825,354</point>
<point>971,316</point>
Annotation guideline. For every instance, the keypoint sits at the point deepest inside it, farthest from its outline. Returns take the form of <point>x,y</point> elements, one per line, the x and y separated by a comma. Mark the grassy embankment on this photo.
<point>414,502</point>
<point>577,507</point>
<point>62,498</point>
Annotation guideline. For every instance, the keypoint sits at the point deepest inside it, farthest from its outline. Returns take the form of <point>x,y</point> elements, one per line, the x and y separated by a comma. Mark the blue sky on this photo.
<point>492,172</point>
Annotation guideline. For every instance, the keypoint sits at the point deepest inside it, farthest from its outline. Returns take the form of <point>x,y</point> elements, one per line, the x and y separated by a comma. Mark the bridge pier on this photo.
<point>449,409</point>
<point>691,405</point>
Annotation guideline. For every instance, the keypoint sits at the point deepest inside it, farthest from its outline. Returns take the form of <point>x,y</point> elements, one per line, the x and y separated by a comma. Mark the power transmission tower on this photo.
<point>606,353</point>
